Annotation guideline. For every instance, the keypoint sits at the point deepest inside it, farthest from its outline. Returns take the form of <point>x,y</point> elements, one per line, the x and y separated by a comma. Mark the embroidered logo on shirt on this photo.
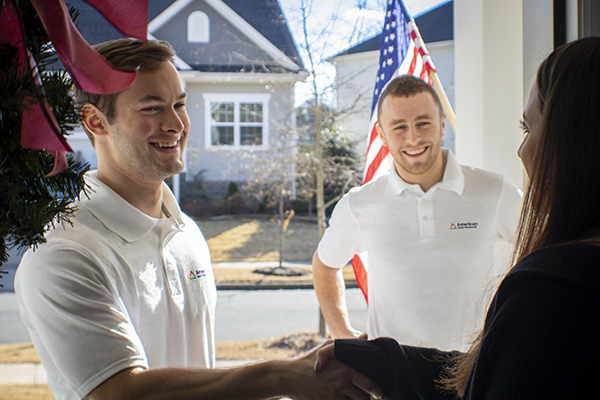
<point>463,225</point>
<point>198,274</point>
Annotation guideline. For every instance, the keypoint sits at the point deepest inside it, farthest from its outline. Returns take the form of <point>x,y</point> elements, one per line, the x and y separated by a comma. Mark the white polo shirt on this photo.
<point>429,254</point>
<point>117,289</point>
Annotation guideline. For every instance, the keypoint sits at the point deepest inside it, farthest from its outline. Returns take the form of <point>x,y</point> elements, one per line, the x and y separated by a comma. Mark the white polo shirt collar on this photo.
<point>453,179</point>
<point>121,217</point>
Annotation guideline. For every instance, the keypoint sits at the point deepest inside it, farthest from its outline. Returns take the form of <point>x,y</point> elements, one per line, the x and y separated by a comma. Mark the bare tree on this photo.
<point>272,180</point>
<point>317,43</point>
<point>339,160</point>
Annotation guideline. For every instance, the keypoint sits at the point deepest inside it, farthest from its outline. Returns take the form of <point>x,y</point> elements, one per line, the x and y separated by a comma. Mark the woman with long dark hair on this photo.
<point>541,338</point>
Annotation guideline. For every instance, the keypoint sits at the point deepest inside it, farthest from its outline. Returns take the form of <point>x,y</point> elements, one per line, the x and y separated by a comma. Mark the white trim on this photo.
<point>229,77</point>
<point>375,53</point>
<point>236,98</point>
<point>167,14</point>
<point>179,63</point>
<point>78,134</point>
<point>436,45</point>
<point>236,20</point>
<point>363,55</point>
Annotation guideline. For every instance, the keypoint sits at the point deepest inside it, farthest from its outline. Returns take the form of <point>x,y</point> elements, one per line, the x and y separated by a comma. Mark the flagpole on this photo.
<point>437,84</point>
<point>401,49</point>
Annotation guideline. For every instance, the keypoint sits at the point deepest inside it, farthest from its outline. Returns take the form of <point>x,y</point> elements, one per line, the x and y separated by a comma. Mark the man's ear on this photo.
<point>94,120</point>
<point>381,134</point>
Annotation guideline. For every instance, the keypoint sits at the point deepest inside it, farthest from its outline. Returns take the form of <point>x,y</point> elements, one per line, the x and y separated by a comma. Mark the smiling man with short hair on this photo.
<point>429,228</point>
<point>121,304</point>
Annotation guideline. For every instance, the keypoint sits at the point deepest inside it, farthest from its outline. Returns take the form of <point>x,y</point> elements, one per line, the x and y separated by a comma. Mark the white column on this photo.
<point>489,84</point>
<point>538,39</point>
<point>176,187</point>
<point>572,20</point>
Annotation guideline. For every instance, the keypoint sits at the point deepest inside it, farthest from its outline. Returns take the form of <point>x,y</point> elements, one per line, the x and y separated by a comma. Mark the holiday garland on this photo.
<point>37,181</point>
<point>31,201</point>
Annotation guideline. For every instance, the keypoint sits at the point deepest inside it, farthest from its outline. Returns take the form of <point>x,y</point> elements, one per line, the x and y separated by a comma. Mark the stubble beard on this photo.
<point>421,167</point>
<point>142,163</point>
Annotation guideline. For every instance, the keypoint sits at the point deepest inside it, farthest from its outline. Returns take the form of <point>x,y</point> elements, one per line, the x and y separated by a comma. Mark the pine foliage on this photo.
<point>31,203</point>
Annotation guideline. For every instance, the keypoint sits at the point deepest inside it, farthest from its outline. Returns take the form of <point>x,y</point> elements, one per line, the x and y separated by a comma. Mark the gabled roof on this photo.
<point>264,19</point>
<point>435,25</point>
<point>268,19</point>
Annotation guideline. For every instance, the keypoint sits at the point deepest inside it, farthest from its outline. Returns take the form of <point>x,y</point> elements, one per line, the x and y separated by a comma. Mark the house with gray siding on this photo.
<point>239,64</point>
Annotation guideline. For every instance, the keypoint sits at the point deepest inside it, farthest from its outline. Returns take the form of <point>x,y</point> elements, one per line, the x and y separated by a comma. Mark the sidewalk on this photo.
<point>33,373</point>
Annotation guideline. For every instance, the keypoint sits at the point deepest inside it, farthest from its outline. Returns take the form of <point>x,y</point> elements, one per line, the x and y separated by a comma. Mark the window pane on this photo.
<point>251,135</point>
<point>221,112</point>
<point>250,112</point>
<point>222,135</point>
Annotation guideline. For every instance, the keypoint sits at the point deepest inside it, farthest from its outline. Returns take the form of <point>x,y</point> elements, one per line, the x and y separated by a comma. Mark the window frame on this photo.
<point>198,27</point>
<point>236,99</point>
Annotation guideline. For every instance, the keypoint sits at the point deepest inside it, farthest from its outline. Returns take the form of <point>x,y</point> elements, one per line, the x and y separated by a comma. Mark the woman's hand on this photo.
<point>324,354</point>
<point>337,381</point>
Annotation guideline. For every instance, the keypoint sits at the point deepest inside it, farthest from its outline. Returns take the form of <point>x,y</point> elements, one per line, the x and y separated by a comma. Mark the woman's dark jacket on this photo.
<point>541,338</point>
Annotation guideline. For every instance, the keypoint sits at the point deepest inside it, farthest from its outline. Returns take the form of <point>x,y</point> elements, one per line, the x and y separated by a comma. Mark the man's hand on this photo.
<point>295,378</point>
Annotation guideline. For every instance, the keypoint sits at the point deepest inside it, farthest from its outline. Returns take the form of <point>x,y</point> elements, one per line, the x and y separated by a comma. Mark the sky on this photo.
<point>333,26</point>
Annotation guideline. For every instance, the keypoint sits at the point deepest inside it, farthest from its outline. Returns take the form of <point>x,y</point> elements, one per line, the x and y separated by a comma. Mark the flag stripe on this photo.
<point>361,274</point>
<point>383,152</point>
<point>413,63</point>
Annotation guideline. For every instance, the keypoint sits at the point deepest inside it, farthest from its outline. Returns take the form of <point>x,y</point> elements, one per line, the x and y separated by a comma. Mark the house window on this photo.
<point>198,27</point>
<point>237,120</point>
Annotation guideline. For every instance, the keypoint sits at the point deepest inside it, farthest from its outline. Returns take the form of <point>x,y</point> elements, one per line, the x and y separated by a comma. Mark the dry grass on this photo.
<point>26,392</point>
<point>18,353</point>
<point>256,238</point>
<point>283,347</point>
<point>286,346</point>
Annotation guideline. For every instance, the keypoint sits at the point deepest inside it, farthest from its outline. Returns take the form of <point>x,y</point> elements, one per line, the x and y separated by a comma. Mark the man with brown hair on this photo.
<point>429,228</point>
<point>120,304</point>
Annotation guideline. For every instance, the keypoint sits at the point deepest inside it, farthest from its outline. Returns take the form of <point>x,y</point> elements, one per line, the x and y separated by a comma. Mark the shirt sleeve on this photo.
<point>509,211</point>
<point>81,330</point>
<point>403,372</point>
<point>342,239</point>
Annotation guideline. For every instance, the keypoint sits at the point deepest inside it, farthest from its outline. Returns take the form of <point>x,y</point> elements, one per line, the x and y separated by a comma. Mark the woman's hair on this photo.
<point>562,201</point>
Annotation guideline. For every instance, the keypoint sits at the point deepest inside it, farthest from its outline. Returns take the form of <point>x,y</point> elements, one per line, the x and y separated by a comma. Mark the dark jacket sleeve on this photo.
<point>403,372</point>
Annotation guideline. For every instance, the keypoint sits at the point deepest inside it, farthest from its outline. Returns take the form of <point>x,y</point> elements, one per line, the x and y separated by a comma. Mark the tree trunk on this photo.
<point>281,225</point>
<point>320,195</point>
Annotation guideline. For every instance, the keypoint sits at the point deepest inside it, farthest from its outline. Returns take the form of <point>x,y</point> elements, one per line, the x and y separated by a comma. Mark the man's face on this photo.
<point>412,128</point>
<point>151,126</point>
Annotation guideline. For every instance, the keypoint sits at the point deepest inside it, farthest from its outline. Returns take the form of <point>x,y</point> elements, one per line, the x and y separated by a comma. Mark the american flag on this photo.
<point>402,51</point>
